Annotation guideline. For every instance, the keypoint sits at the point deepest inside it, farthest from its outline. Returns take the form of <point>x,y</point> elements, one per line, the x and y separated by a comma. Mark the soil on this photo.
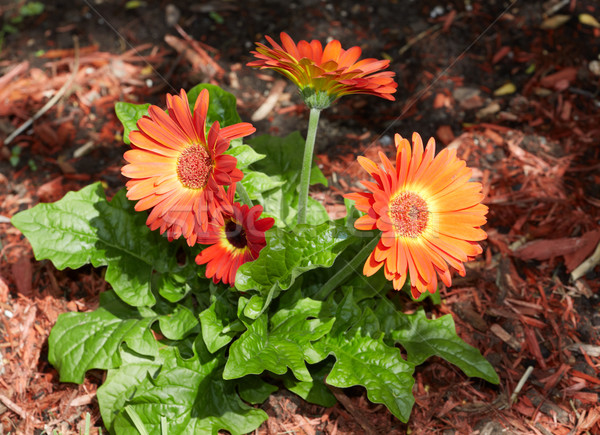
<point>512,86</point>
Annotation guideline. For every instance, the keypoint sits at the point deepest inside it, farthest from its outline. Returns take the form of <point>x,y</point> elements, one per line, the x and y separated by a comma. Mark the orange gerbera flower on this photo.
<point>324,75</point>
<point>176,167</point>
<point>235,241</point>
<point>428,212</point>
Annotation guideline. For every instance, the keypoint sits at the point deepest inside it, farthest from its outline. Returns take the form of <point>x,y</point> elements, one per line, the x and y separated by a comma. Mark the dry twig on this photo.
<point>53,100</point>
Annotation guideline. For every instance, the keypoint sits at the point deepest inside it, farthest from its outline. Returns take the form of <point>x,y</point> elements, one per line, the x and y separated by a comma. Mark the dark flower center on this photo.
<point>194,167</point>
<point>236,235</point>
<point>409,214</point>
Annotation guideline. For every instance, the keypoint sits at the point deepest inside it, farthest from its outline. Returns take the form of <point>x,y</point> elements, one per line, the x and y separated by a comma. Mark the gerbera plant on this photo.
<point>227,279</point>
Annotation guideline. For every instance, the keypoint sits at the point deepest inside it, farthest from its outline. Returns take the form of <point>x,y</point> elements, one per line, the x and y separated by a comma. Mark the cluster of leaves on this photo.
<point>187,356</point>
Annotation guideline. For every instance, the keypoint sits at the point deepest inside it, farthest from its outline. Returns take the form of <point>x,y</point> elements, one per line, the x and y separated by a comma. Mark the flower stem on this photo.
<point>241,191</point>
<point>309,146</point>
<point>344,273</point>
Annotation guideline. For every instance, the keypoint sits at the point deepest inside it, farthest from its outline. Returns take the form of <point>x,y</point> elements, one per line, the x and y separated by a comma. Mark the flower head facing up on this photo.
<point>236,240</point>
<point>324,75</point>
<point>428,212</point>
<point>176,167</point>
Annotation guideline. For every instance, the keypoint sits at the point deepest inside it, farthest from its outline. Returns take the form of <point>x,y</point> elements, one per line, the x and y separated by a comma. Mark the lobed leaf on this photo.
<point>315,390</point>
<point>253,389</point>
<point>290,253</point>
<point>279,343</point>
<point>82,341</point>
<point>423,338</point>
<point>121,383</point>
<point>364,360</point>
<point>218,319</point>
<point>84,228</point>
<point>189,396</point>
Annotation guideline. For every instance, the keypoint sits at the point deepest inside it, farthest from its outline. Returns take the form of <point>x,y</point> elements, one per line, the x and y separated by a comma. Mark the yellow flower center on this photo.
<point>194,167</point>
<point>409,214</point>
<point>235,233</point>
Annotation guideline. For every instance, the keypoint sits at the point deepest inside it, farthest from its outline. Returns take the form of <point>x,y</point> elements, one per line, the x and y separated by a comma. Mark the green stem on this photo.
<point>241,191</point>
<point>345,272</point>
<point>309,146</point>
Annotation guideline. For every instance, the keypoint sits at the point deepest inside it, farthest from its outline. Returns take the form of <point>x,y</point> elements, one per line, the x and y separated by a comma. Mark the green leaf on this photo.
<point>129,114</point>
<point>121,383</point>
<point>84,228</point>
<point>254,306</point>
<point>290,253</point>
<point>244,154</point>
<point>315,212</point>
<point>364,360</point>
<point>315,390</point>
<point>222,105</point>
<point>279,343</point>
<point>83,341</point>
<point>317,177</point>
<point>423,338</point>
<point>189,396</point>
<point>257,182</point>
<point>253,389</point>
<point>218,319</point>
<point>31,9</point>
<point>285,155</point>
<point>175,284</point>
<point>285,164</point>
<point>179,323</point>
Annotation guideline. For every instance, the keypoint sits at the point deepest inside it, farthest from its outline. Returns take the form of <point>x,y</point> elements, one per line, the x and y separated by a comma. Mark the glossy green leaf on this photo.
<point>315,390</point>
<point>254,307</point>
<point>362,358</point>
<point>221,107</point>
<point>175,284</point>
<point>179,323</point>
<point>189,396</point>
<point>254,390</point>
<point>284,163</point>
<point>121,383</point>
<point>257,182</point>
<point>129,114</point>
<point>279,343</point>
<point>423,338</point>
<point>244,154</point>
<point>84,228</point>
<point>217,321</point>
<point>83,341</point>
<point>290,253</point>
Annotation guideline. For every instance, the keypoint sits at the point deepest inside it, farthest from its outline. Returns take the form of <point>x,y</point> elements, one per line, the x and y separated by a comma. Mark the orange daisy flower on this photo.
<point>235,241</point>
<point>428,212</point>
<point>324,75</point>
<point>176,168</point>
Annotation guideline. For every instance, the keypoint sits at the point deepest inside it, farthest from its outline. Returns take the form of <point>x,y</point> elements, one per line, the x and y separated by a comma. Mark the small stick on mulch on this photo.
<point>16,409</point>
<point>587,265</point>
<point>53,100</point>
<point>519,387</point>
<point>353,410</point>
